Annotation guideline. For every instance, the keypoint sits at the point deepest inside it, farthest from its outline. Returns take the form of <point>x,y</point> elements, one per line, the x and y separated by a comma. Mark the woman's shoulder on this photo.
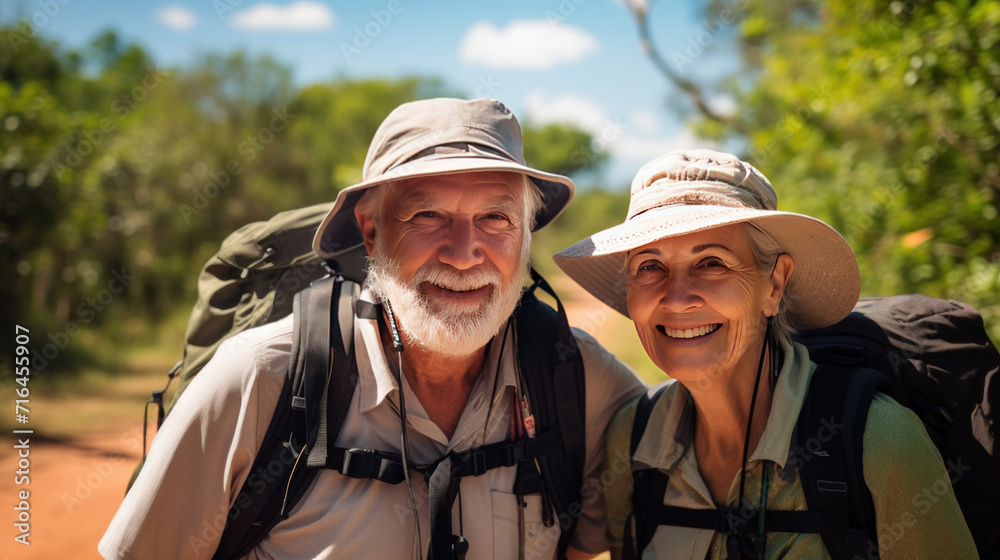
<point>619,430</point>
<point>895,438</point>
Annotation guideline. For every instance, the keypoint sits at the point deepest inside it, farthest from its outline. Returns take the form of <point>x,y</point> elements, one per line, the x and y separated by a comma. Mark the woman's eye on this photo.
<point>712,264</point>
<point>649,270</point>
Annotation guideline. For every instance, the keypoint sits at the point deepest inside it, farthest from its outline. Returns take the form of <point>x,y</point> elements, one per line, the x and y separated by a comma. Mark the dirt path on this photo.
<point>75,488</point>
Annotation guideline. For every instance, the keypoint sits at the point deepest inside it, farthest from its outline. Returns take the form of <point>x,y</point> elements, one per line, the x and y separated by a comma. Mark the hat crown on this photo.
<point>703,178</point>
<point>443,126</point>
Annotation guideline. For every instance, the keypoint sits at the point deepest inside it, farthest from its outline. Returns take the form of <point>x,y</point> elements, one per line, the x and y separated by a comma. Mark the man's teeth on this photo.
<point>458,289</point>
<point>691,333</point>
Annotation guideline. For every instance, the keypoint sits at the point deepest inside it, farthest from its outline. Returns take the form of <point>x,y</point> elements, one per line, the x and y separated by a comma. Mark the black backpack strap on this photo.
<point>386,466</point>
<point>649,485</point>
<point>730,520</point>
<point>266,496</point>
<point>830,431</point>
<point>553,372</point>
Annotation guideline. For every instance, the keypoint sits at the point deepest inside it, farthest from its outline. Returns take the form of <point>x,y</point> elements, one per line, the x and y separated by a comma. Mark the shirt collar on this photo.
<point>376,381</point>
<point>789,392</point>
<point>674,412</point>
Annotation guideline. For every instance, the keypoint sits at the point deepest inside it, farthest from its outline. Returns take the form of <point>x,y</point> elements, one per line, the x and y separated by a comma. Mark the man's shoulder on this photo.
<point>264,342</point>
<point>277,334</point>
<point>262,351</point>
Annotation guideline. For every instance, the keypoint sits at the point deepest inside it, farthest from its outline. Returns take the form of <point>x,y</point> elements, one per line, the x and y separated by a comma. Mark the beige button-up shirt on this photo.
<point>901,465</point>
<point>205,449</point>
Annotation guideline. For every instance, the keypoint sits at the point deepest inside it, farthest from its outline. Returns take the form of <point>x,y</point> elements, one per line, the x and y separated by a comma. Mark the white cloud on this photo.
<point>645,120</point>
<point>722,104</point>
<point>534,44</point>
<point>301,16</point>
<point>568,108</point>
<point>176,17</point>
<point>632,143</point>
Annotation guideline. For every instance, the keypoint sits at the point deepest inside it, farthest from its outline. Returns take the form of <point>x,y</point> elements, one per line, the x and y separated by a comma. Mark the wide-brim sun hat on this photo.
<point>439,137</point>
<point>688,191</point>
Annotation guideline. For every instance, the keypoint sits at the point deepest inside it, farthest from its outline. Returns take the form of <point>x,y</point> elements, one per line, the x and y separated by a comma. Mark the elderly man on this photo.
<point>445,213</point>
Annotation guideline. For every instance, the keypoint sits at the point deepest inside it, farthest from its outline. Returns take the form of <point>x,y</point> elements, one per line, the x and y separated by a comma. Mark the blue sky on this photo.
<point>559,60</point>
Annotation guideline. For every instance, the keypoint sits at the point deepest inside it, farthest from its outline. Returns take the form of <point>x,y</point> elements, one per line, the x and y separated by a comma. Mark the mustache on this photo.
<point>456,280</point>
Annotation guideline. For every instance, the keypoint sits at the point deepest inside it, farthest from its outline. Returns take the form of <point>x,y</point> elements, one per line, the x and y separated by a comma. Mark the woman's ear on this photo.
<point>783,268</point>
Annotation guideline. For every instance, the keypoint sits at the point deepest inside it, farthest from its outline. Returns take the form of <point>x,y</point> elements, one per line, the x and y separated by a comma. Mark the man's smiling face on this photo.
<point>450,252</point>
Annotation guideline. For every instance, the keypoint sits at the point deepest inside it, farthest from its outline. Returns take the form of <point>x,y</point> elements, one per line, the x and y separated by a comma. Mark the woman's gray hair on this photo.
<point>766,250</point>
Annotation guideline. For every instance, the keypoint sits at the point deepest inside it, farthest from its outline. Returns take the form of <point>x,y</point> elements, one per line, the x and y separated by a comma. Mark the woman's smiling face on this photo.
<point>700,302</point>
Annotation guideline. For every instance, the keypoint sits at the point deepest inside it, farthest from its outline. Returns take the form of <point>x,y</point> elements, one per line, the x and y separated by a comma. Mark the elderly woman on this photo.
<point>716,279</point>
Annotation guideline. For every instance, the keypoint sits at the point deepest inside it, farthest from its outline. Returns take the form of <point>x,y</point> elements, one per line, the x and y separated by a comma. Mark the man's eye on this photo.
<point>424,216</point>
<point>495,220</point>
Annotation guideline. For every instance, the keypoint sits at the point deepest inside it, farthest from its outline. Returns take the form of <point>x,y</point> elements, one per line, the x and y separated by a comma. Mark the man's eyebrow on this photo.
<point>411,202</point>
<point>505,202</point>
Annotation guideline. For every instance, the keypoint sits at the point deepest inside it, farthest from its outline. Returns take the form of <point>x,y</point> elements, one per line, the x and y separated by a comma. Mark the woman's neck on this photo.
<point>721,412</point>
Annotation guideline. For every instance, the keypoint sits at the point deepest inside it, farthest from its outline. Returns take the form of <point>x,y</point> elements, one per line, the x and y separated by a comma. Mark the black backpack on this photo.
<point>931,355</point>
<point>265,271</point>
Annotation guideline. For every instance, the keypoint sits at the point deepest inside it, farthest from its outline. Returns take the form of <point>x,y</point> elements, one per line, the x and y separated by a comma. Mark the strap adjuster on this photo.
<point>479,463</point>
<point>361,463</point>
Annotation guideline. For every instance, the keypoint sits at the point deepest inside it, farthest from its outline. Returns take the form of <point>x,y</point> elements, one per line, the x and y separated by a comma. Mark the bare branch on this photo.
<point>691,89</point>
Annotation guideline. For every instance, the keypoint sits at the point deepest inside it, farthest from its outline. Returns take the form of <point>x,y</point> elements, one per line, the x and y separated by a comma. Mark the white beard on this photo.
<point>446,328</point>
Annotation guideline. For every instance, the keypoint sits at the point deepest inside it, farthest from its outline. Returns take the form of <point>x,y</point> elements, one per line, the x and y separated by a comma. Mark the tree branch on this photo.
<point>691,89</point>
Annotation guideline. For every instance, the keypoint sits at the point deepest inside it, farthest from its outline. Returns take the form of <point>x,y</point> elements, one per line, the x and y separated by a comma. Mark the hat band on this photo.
<point>456,148</point>
<point>688,193</point>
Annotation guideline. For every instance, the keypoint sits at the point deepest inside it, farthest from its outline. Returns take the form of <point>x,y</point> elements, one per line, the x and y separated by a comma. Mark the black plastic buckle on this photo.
<point>478,461</point>
<point>361,463</point>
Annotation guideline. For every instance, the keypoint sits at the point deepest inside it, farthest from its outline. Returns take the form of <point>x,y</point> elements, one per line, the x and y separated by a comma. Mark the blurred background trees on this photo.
<point>114,170</point>
<point>880,117</point>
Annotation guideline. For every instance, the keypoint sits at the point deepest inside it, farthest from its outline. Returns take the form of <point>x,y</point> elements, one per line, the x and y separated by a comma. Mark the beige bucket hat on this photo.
<point>439,137</point>
<point>688,191</point>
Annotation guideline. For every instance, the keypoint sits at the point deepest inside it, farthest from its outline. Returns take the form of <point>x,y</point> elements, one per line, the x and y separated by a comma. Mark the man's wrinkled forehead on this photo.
<point>498,192</point>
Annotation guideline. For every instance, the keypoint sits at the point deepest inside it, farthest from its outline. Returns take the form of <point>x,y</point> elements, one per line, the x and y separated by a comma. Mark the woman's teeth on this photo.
<point>690,333</point>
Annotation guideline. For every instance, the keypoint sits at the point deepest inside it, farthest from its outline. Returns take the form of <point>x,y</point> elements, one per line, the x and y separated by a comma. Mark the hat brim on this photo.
<point>823,289</point>
<point>339,231</point>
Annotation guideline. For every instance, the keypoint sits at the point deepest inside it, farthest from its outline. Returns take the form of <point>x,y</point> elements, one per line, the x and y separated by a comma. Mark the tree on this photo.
<point>114,170</point>
<point>881,118</point>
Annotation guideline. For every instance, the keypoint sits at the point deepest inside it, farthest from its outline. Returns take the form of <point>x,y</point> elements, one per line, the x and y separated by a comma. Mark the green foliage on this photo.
<point>881,118</point>
<point>562,149</point>
<point>119,178</point>
<point>591,211</point>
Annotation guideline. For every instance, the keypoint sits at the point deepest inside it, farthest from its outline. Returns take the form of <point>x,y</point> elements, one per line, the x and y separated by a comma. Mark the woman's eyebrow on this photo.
<point>702,248</point>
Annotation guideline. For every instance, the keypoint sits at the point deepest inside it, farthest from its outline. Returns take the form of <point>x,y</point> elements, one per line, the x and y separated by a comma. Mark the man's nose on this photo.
<point>463,248</point>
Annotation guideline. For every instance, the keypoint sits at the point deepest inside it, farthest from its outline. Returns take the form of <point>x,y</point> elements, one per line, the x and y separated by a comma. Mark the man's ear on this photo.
<point>366,223</point>
<point>783,268</point>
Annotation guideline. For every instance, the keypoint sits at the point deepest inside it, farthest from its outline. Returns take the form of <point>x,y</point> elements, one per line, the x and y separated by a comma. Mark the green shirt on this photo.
<point>915,507</point>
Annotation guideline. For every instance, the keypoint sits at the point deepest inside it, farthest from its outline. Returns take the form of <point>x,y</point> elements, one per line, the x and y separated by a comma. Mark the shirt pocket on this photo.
<point>539,541</point>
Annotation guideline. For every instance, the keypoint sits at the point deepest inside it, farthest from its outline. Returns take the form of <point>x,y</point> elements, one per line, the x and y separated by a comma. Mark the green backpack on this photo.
<point>263,272</point>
